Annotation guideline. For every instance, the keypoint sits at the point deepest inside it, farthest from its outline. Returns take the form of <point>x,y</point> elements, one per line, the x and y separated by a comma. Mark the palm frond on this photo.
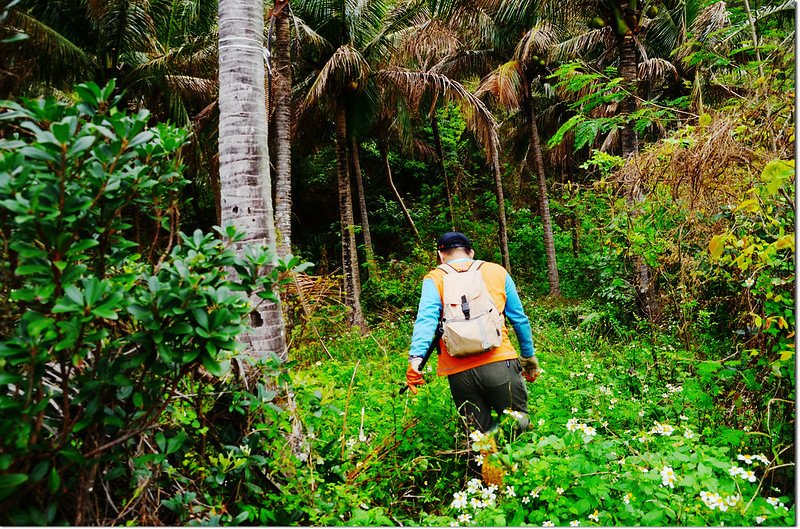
<point>56,57</point>
<point>657,70</point>
<point>583,44</point>
<point>539,40</point>
<point>505,84</point>
<point>345,65</point>
<point>761,14</point>
<point>414,85</point>
<point>427,44</point>
<point>306,34</point>
<point>710,20</point>
<point>465,63</point>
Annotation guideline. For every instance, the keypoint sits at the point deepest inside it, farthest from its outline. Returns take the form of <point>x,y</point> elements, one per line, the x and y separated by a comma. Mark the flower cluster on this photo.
<point>748,459</point>
<point>775,502</point>
<point>716,501</point>
<point>603,390</point>
<point>749,475</point>
<point>668,477</point>
<point>476,497</point>
<point>674,388</point>
<point>573,425</point>
<point>481,441</point>
<point>662,429</point>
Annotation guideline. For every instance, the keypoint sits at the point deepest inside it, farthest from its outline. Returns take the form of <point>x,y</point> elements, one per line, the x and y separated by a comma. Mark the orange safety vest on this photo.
<point>494,276</point>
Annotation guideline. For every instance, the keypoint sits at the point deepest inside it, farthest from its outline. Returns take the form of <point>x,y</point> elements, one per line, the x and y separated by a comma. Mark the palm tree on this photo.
<point>246,194</point>
<point>281,97</point>
<point>512,85</point>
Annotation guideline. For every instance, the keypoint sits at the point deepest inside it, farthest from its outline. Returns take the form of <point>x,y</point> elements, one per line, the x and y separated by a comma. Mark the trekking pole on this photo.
<point>434,345</point>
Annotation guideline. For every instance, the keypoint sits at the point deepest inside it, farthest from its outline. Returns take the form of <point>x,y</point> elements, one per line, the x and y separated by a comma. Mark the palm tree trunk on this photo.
<point>437,140</point>
<point>245,187</point>
<point>501,205</point>
<point>645,295</point>
<point>544,208</point>
<point>352,284</point>
<point>388,169</point>
<point>282,96</point>
<point>362,204</point>
<point>627,70</point>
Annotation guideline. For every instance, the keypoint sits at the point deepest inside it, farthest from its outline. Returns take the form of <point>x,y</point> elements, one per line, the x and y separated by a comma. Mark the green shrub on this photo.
<point>100,328</point>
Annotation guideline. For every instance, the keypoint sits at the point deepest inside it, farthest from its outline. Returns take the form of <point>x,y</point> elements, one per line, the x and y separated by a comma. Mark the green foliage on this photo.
<point>98,337</point>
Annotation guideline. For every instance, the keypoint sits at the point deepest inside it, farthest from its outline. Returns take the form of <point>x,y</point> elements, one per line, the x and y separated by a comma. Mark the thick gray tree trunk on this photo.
<point>544,208</point>
<point>352,283</point>
<point>282,97</point>
<point>245,187</point>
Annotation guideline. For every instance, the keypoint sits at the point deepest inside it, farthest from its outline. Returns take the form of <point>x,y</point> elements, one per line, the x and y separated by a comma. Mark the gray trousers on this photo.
<point>496,386</point>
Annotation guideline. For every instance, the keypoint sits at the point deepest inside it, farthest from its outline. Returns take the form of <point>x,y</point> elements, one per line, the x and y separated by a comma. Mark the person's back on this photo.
<point>487,380</point>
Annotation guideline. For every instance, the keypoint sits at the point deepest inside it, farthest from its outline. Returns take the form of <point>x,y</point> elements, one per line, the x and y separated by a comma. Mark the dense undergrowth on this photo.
<point>122,401</point>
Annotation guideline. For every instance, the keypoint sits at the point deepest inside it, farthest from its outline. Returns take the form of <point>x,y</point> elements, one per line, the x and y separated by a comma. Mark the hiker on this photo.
<point>490,378</point>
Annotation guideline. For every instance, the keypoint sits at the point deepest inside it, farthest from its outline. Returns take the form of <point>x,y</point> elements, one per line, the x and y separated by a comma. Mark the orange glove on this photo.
<point>413,376</point>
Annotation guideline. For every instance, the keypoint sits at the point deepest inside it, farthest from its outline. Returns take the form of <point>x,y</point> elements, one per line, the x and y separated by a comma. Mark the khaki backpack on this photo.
<point>471,322</point>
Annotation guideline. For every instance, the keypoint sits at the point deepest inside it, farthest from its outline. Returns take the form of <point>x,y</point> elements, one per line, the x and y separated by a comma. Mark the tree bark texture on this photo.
<point>352,284</point>
<point>245,187</point>
<point>501,207</point>
<point>390,180</point>
<point>362,203</point>
<point>437,140</point>
<point>544,208</point>
<point>282,97</point>
<point>645,294</point>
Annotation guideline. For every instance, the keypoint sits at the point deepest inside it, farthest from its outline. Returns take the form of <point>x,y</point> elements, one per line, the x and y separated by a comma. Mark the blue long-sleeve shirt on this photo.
<point>430,309</point>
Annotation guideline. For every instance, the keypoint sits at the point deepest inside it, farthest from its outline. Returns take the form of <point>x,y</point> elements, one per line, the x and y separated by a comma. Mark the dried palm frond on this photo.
<point>506,84</point>
<point>415,85</point>
<point>540,40</point>
<point>579,46</point>
<point>477,26</point>
<point>657,70</point>
<point>345,65</point>
<point>428,43</point>
<point>465,63</point>
<point>710,20</point>
<point>316,291</point>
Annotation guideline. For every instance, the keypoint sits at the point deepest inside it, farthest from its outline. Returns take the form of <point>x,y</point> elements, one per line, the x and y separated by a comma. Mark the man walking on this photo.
<point>491,378</point>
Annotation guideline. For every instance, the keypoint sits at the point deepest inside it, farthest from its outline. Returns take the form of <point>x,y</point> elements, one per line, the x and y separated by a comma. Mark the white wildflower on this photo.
<point>548,523</point>
<point>594,517</point>
<point>464,518</point>
<point>735,471</point>
<point>668,477</point>
<point>572,424</point>
<point>510,492</point>
<point>760,519</point>
<point>459,500</point>
<point>574,523</point>
<point>559,490</point>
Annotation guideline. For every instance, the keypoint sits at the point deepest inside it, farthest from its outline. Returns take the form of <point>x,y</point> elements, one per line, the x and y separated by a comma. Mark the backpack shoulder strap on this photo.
<point>448,269</point>
<point>476,264</point>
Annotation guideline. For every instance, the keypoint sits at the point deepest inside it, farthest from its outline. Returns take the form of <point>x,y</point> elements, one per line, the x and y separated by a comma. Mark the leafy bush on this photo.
<point>100,332</point>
